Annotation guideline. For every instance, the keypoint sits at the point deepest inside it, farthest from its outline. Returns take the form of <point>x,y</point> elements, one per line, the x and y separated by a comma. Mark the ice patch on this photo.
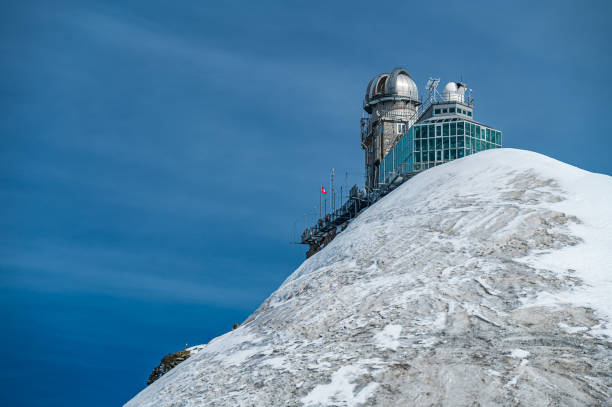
<point>519,353</point>
<point>341,389</point>
<point>238,357</point>
<point>572,329</point>
<point>388,337</point>
<point>275,363</point>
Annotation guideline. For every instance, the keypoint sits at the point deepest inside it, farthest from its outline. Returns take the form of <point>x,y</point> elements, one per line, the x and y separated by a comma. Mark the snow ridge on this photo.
<point>486,278</point>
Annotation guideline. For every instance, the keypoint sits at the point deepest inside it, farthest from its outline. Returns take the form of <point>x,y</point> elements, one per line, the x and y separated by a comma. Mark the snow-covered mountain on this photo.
<point>484,281</point>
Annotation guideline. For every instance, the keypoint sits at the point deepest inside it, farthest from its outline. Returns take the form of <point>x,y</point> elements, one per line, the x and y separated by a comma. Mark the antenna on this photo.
<point>432,87</point>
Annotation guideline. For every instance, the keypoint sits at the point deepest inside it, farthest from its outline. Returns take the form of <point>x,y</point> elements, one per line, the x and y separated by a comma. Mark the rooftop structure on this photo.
<point>402,136</point>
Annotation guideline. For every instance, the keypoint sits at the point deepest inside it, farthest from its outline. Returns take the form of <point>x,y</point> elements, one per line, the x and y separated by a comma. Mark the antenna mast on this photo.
<point>432,87</point>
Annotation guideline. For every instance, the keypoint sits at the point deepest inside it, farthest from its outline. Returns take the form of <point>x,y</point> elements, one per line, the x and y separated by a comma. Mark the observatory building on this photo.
<point>401,136</point>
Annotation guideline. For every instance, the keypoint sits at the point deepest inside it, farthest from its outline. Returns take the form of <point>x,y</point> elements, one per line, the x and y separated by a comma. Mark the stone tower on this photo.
<point>391,102</point>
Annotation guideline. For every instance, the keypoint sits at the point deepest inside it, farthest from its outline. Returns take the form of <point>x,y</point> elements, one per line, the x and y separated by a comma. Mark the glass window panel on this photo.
<point>432,156</point>
<point>446,141</point>
<point>460,153</point>
<point>437,111</point>
<point>445,131</point>
<point>431,130</point>
<point>453,129</point>
<point>444,110</point>
<point>451,110</point>
<point>432,143</point>
<point>453,154</point>
<point>438,155</point>
<point>446,155</point>
<point>460,128</point>
<point>417,131</point>
<point>438,131</point>
<point>460,141</point>
<point>439,143</point>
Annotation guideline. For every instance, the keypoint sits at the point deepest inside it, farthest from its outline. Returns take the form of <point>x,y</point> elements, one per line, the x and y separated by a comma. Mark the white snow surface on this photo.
<point>388,337</point>
<point>488,278</point>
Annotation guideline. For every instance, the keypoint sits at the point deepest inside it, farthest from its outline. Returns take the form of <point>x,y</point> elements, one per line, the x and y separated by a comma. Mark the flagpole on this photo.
<point>320,194</point>
<point>333,193</point>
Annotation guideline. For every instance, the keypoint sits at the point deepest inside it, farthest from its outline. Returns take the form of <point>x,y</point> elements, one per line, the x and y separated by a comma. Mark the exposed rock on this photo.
<point>168,362</point>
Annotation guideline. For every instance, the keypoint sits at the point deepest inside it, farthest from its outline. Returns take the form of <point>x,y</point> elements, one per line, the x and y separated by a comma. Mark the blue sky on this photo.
<point>154,155</point>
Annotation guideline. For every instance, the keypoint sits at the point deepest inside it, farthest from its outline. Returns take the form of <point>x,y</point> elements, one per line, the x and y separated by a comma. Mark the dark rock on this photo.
<point>168,362</point>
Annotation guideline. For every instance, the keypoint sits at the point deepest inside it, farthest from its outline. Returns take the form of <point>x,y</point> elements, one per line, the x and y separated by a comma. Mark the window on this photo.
<point>446,129</point>
<point>438,155</point>
<point>460,141</point>
<point>436,111</point>
<point>444,110</point>
<point>438,143</point>
<point>460,128</point>
<point>431,130</point>
<point>446,155</point>
<point>424,131</point>
<point>453,129</point>
<point>432,144</point>
<point>438,131</point>
<point>460,153</point>
<point>469,113</point>
<point>417,132</point>
<point>401,128</point>
<point>451,110</point>
<point>453,142</point>
<point>446,142</point>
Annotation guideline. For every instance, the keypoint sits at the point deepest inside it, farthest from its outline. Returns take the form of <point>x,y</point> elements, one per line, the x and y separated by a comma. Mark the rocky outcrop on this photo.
<point>168,362</point>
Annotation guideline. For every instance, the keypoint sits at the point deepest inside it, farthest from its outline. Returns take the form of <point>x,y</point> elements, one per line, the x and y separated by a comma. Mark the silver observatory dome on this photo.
<point>397,85</point>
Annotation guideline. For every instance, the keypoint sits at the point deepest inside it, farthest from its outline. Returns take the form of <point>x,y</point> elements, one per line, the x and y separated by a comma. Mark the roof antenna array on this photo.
<point>432,87</point>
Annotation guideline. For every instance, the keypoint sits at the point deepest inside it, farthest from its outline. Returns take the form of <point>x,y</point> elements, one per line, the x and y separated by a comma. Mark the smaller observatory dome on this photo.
<point>454,92</point>
<point>397,84</point>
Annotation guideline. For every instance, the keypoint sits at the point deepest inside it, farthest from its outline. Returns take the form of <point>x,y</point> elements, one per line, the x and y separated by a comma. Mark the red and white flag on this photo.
<point>323,191</point>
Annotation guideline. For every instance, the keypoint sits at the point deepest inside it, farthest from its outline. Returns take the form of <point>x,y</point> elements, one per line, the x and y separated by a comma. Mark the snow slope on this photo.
<point>486,279</point>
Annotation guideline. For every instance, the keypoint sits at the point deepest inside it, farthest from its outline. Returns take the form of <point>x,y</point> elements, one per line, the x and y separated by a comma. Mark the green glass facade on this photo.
<point>435,142</point>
